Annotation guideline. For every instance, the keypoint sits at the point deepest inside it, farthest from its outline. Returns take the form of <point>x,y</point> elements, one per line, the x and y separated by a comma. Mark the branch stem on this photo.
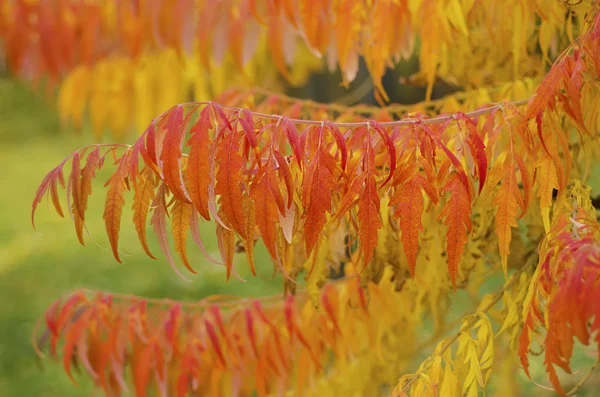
<point>474,317</point>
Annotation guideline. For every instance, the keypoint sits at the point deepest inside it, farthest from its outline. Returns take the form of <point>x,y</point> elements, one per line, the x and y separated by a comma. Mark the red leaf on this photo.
<point>340,141</point>
<point>214,339</point>
<point>391,150</point>
<point>455,162</point>
<point>292,135</point>
<point>150,151</point>
<point>245,119</point>
<point>250,329</point>
<point>477,148</point>
<point>221,115</point>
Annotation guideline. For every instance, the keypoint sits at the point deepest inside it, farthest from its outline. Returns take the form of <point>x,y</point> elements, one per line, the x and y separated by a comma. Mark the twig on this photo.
<point>405,122</point>
<point>352,97</point>
<point>576,388</point>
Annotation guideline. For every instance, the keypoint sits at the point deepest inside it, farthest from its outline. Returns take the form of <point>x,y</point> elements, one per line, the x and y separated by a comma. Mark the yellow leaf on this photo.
<point>548,181</point>
<point>455,15</point>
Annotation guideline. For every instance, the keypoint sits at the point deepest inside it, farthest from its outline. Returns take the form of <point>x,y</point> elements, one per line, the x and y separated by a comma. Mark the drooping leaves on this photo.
<point>229,175</point>
<point>45,40</point>
<point>159,346</point>
<point>457,214</point>
<point>561,304</point>
<point>113,207</point>
<point>335,175</point>
<point>198,163</point>
<point>316,197</point>
<point>143,197</point>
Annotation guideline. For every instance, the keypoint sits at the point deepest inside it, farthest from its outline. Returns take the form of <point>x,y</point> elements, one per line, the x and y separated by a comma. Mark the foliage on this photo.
<point>155,53</point>
<point>390,194</point>
<point>223,346</point>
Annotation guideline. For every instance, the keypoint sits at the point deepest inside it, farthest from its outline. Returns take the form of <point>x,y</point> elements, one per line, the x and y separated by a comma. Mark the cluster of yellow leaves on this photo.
<point>363,344</point>
<point>119,93</point>
<point>463,373</point>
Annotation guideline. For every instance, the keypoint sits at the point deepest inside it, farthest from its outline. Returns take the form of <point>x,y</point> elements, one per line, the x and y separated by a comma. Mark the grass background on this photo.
<point>37,268</point>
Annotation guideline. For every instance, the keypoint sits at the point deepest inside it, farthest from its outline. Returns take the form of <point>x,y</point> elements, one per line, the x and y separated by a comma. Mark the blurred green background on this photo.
<point>37,268</point>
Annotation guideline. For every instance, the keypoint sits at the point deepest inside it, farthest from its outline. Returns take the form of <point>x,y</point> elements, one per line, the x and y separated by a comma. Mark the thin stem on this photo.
<point>405,122</point>
<point>354,96</point>
<point>576,388</point>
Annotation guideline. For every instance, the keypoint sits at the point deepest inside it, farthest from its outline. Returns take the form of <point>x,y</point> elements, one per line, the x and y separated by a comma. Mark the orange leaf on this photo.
<point>170,155</point>
<point>57,178</point>
<point>180,223</point>
<point>292,136</point>
<point>88,173</point>
<point>75,333</point>
<point>229,177</point>
<point>317,188</point>
<point>574,82</point>
<point>249,227</point>
<point>41,190</point>
<point>507,200</point>
<point>544,95</point>
<point>226,240</point>
<point>266,213</point>
<point>368,212</point>
<point>457,212</point>
<point>75,185</point>
<point>198,163</point>
<point>141,365</point>
<point>144,195</point>
<point>408,202</point>
<point>194,227</point>
<point>284,170</point>
<point>113,207</point>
